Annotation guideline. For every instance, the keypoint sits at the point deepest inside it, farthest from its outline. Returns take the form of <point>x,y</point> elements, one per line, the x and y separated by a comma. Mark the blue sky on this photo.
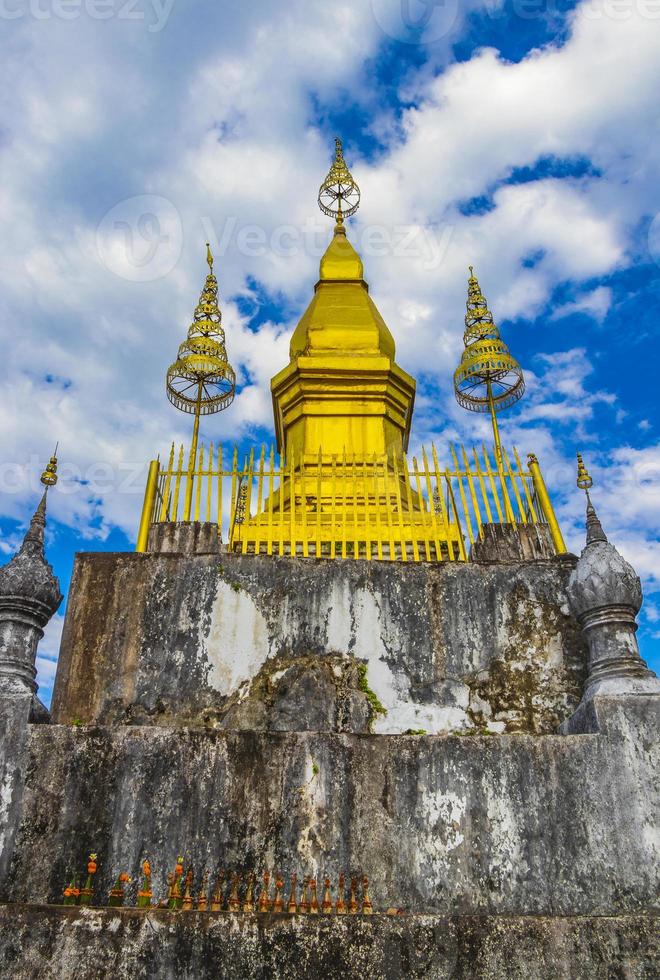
<point>520,136</point>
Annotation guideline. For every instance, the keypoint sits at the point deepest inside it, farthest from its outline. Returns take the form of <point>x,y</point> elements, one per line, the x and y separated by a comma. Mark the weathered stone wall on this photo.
<point>49,944</point>
<point>272,643</point>
<point>15,706</point>
<point>547,825</point>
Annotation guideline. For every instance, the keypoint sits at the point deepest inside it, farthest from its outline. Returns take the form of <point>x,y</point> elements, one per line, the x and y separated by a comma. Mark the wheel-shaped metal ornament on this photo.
<point>339,195</point>
<point>196,384</point>
<point>339,198</point>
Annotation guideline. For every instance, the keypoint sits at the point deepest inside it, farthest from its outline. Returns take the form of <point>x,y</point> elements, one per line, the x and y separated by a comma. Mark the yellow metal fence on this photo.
<point>374,507</point>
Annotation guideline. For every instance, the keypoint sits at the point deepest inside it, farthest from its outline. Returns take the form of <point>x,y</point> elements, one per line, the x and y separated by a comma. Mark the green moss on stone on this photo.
<point>375,706</point>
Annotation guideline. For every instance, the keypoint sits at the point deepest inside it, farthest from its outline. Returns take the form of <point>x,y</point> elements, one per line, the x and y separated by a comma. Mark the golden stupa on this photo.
<point>342,406</point>
<point>338,482</point>
<point>342,391</point>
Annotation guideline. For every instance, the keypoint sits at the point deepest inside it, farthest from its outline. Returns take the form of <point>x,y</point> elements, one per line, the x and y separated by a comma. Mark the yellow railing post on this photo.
<point>148,505</point>
<point>546,504</point>
<point>426,525</point>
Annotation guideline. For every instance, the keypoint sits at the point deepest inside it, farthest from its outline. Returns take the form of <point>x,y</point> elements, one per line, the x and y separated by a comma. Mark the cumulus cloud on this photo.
<point>47,657</point>
<point>157,153</point>
<point>595,303</point>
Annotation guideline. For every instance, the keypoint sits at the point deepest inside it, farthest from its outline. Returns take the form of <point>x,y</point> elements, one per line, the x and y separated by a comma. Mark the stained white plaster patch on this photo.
<point>237,641</point>
<point>359,616</point>
<point>405,715</point>
<point>443,816</point>
<point>444,813</point>
<point>6,794</point>
<point>338,624</point>
<point>504,834</point>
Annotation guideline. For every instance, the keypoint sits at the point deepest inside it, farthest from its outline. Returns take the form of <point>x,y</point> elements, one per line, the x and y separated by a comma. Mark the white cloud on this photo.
<point>595,304</point>
<point>47,657</point>
<point>233,139</point>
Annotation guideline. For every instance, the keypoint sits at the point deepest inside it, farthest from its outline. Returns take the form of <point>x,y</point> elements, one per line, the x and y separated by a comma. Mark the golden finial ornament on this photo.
<point>595,532</point>
<point>488,379</point>
<point>584,481</point>
<point>202,381</point>
<point>339,195</point>
<point>49,475</point>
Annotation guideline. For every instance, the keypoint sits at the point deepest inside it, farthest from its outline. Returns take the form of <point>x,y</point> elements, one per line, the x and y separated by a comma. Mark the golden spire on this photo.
<point>478,318</point>
<point>49,475</point>
<point>488,379</point>
<point>584,481</point>
<point>339,195</point>
<point>201,380</point>
<point>595,531</point>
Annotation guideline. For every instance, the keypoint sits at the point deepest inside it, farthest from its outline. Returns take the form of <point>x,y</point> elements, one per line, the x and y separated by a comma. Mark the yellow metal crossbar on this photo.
<point>375,507</point>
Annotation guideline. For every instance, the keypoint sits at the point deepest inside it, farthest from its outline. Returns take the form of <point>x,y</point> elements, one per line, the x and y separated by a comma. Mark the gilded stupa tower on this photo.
<point>342,391</point>
<point>342,714</point>
<point>338,482</point>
